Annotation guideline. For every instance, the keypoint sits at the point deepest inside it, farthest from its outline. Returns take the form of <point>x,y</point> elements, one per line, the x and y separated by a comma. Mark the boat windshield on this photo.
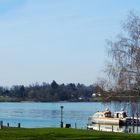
<point>108,114</point>
<point>98,115</point>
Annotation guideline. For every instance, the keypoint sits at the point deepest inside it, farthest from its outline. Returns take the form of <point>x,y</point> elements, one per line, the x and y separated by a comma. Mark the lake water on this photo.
<point>33,115</point>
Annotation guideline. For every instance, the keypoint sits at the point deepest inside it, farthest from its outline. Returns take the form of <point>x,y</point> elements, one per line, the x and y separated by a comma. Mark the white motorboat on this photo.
<point>116,118</point>
<point>106,117</point>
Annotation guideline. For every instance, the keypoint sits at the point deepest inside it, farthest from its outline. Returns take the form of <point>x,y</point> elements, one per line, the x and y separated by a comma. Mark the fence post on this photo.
<point>99,127</point>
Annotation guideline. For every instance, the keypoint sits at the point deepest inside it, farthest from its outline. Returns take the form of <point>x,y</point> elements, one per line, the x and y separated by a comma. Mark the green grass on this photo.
<point>62,134</point>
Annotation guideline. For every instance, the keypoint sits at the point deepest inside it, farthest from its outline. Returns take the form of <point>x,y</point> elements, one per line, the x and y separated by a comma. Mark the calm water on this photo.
<point>48,114</point>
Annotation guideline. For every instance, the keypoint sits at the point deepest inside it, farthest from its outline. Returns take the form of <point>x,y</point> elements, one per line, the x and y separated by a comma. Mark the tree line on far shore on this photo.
<point>48,92</point>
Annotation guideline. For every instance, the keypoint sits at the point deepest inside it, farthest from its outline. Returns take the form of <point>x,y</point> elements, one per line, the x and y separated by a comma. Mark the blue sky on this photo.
<point>62,40</point>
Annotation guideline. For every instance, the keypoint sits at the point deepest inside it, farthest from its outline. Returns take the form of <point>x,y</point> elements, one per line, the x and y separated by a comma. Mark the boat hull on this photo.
<point>115,121</point>
<point>106,127</point>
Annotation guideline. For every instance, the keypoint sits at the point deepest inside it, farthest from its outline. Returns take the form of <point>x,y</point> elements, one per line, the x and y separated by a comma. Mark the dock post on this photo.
<point>112,128</point>
<point>19,125</point>
<point>129,130</point>
<point>137,121</point>
<point>99,127</point>
<point>75,125</point>
<point>7,124</point>
<point>133,123</point>
<point>132,119</point>
<point>1,124</point>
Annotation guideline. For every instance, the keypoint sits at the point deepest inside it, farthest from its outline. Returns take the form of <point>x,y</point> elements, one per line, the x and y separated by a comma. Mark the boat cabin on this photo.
<point>121,114</point>
<point>102,114</point>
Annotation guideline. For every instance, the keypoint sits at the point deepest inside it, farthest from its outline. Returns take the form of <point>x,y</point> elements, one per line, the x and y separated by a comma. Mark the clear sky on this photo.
<point>62,40</point>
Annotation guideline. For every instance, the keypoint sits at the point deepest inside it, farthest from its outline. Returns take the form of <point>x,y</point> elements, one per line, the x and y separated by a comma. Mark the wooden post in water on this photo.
<point>137,121</point>
<point>75,125</point>
<point>132,119</point>
<point>1,124</point>
<point>129,130</point>
<point>19,125</point>
<point>133,122</point>
<point>7,124</point>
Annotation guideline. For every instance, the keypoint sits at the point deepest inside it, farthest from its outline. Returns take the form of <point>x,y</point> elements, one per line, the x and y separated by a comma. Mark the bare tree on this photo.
<point>124,68</point>
<point>103,84</point>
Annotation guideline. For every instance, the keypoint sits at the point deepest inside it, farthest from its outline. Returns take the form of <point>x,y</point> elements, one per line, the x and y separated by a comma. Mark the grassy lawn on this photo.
<point>62,134</point>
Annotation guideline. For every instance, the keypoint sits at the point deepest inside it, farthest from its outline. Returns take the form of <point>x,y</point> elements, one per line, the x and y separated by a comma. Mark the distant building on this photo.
<point>96,94</point>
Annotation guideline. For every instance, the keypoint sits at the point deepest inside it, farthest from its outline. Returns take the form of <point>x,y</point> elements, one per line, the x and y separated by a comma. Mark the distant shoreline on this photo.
<point>97,99</point>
